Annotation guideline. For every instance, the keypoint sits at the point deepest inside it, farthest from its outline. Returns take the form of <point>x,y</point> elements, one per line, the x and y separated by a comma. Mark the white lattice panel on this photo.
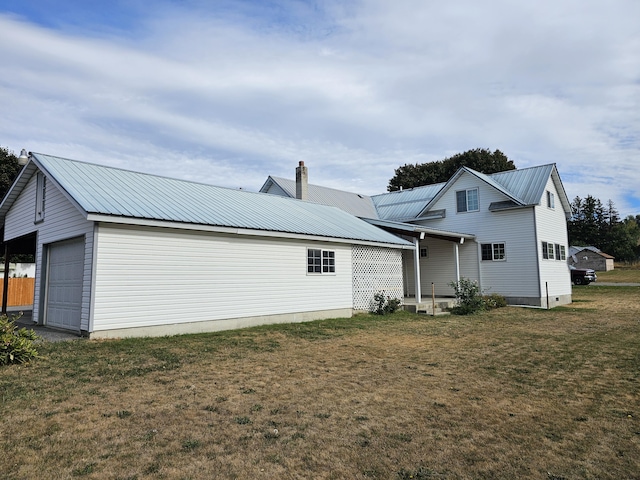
<point>375,269</point>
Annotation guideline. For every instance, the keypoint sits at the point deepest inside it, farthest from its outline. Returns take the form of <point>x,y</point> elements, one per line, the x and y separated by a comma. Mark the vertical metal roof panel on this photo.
<point>110,191</point>
<point>405,204</point>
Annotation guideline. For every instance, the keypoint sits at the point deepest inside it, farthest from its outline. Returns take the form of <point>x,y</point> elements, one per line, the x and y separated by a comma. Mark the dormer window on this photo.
<point>467,200</point>
<point>41,194</point>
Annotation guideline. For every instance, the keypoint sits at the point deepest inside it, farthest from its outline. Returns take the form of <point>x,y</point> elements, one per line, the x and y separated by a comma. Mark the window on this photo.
<point>551,202</point>
<point>467,201</point>
<point>553,251</point>
<point>41,190</point>
<point>493,251</point>
<point>321,261</point>
<point>424,252</point>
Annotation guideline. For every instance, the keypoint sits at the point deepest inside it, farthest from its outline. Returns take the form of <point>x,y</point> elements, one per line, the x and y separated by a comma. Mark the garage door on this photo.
<point>64,284</point>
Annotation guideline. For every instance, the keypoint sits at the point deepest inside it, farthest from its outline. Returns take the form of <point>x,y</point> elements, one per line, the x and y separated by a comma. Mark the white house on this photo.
<point>507,231</point>
<point>120,253</point>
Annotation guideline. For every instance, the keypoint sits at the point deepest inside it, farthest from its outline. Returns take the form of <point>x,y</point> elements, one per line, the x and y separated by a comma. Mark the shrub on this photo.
<point>469,299</point>
<point>384,304</point>
<point>17,345</point>
<point>494,300</point>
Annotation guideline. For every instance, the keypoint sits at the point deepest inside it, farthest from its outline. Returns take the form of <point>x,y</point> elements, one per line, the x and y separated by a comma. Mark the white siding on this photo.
<point>552,227</point>
<point>517,275</point>
<point>439,267</point>
<point>62,221</point>
<point>151,276</point>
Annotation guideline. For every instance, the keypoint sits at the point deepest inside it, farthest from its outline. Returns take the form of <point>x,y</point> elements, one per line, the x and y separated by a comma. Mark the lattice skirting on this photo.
<point>375,269</point>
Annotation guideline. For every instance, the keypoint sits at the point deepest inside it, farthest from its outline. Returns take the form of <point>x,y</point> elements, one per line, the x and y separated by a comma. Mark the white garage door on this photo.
<point>64,284</point>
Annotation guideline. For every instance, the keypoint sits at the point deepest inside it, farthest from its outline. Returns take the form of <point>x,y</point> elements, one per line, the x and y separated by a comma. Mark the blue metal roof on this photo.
<point>110,191</point>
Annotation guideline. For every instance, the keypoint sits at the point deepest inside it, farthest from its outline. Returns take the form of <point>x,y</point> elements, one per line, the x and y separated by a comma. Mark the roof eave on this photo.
<point>145,222</point>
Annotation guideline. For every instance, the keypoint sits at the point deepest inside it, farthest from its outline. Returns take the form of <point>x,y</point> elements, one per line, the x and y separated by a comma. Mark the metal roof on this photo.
<point>115,192</point>
<point>527,185</point>
<point>405,204</point>
<point>354,203</point>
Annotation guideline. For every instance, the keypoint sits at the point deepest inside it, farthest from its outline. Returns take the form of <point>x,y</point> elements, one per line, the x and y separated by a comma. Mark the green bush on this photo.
<point>17,345</point>
<point>494,300</point>
<point>383,304</point>
<point>469,299</point>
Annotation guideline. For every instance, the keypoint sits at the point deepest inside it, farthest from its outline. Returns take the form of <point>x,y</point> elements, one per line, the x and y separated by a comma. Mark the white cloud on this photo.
<point>231,95</point>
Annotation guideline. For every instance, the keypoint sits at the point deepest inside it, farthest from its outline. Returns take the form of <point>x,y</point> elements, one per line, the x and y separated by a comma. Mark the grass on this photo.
<point>512,393</point>
<point>621,274</point>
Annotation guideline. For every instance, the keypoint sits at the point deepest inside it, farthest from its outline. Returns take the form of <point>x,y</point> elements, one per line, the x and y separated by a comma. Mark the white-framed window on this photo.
<point>554,251</point>
<point>41,194</point>
<point>496,252</point>
<point>551,201</point>
<point>321,261</point>
<point>467,200</point>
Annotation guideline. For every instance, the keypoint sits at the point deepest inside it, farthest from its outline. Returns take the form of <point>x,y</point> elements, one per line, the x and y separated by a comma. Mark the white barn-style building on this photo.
<point>121,254</point>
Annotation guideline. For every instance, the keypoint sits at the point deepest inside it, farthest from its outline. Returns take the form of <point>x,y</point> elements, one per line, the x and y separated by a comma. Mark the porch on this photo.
<point>426,306</point>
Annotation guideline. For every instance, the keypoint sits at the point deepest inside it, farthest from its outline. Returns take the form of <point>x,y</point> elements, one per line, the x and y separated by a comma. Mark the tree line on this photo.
<point>596,224</point>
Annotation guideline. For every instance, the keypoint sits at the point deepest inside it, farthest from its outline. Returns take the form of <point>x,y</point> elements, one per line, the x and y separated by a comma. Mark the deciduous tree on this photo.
<point>479,159</point>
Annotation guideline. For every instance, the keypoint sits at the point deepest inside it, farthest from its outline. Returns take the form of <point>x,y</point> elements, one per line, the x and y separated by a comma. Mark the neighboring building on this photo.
<point>590,257</point>
<point>507,231</point>
<point>122,254</point>
<point>20,270</point>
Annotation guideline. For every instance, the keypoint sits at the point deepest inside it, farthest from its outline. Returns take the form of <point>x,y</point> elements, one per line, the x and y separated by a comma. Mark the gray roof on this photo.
<point>354,203</point>
<point>574,250</point>
<point>405,204</point>
<point>522,188</point>
<point>113,192</point>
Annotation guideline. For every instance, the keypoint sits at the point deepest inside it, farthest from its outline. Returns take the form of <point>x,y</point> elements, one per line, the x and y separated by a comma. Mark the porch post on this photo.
<point>456,255</point>
<point>5,285</point>
<point>416,269</point>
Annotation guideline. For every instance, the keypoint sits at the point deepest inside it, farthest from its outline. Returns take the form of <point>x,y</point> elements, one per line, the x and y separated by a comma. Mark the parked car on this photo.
<point>582,276</point>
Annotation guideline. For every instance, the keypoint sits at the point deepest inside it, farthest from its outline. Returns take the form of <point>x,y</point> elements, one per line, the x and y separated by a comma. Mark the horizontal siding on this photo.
<point>515,277</point>
<point>62,221</point>
<point>439,267</point>
<point>552,227</point>
<point>147,276</point>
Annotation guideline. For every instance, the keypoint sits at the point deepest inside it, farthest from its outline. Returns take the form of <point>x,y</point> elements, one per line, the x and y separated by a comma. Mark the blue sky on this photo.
<point>228,92</point>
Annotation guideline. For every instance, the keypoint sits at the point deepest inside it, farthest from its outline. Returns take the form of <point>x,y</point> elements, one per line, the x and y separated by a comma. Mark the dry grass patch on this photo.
<point>513,393</point>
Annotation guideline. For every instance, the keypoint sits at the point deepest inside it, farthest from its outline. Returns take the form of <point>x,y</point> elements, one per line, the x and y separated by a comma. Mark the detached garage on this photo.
<point>122,254</point>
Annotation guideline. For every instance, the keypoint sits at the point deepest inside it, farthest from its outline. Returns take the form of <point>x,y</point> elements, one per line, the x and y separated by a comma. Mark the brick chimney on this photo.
<point>302,182</point>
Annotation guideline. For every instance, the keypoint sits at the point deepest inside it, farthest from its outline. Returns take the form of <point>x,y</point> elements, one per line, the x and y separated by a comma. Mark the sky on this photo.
<point>228,92</point>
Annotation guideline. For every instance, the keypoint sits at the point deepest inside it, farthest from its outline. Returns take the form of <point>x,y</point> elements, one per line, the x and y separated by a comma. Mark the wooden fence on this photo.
<point>20,292</point>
